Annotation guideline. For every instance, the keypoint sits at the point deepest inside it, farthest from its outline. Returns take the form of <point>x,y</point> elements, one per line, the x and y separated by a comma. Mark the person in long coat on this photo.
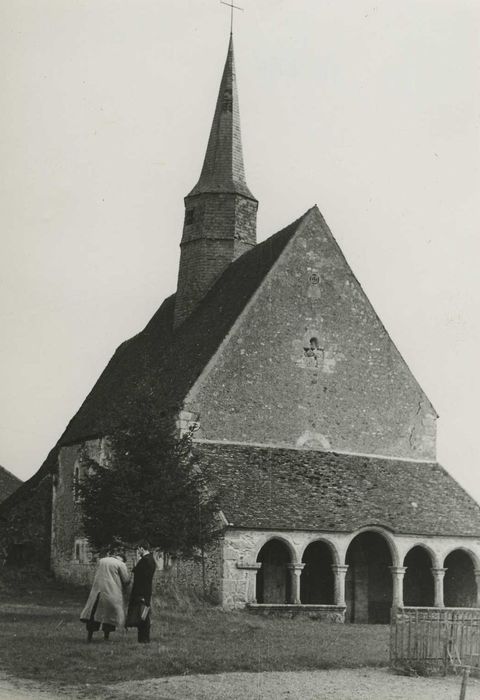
<point>141,593</point>
<point>105,606</point>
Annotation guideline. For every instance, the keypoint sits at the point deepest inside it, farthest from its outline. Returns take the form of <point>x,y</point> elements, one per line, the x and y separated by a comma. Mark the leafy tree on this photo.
<point>151,488</point>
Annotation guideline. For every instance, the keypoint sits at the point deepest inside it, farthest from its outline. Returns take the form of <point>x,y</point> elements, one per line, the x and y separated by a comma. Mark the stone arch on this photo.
<point>317,585</point>
<point>368,585</point>
<point>418,583</point>
<point>386,534</point>
<point>434,554</point>
<point>469,552</point>
<point>337,558</point>
<point>282,538</point>
<point>459,584</point>
<point>273,583</point>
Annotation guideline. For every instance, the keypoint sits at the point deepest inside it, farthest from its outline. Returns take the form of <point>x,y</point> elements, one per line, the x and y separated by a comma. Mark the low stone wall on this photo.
<point>80,574</point>
<point>323,613</point>
<point>178,580</point>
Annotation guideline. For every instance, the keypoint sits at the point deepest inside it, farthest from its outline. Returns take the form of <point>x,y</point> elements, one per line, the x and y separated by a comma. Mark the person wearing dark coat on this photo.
<point>141,594</point>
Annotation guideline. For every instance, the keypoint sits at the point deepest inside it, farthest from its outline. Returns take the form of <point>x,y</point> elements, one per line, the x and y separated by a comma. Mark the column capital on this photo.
<point>296,567</point>
<point>398,572</point>
<point>295,571</point>
<point>339,568</point>
<point>477,581</point>
<point>438,571</point>
<point>340,573</point>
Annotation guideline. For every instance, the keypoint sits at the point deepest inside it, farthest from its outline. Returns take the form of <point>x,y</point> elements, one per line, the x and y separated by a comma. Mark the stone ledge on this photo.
<point>249,567</point>
<point>324,613</point>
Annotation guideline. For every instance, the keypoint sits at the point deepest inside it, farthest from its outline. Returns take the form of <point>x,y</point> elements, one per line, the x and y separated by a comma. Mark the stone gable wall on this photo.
<point>310,365</point>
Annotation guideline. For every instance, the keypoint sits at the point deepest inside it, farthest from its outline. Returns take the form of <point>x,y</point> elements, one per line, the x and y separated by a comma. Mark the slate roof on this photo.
<point>261,487</point>
<point>285,489</point>
<point>158,366</point>
<point>223,169</point>
<point>162,365</point>
<point>8,483</point>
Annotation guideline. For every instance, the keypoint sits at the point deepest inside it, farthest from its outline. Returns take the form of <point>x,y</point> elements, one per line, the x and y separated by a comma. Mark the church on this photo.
<point>309,425</point>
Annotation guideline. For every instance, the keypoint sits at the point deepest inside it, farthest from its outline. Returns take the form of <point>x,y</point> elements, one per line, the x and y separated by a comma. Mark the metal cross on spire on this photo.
<point>232,8</point>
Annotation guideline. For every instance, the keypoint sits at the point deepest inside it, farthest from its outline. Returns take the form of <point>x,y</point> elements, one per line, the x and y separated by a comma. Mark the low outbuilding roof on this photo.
<point>280,488</point>
<point>8,483</point>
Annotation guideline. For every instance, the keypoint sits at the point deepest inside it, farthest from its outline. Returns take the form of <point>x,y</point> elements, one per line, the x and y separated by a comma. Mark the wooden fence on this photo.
<point>435,639</point>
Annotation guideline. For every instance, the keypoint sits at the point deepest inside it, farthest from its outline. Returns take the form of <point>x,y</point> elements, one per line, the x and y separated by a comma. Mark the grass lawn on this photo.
<point>41,638</point>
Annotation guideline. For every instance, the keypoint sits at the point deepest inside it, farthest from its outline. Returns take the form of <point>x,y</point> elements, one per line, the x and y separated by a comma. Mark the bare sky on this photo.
<point>369,109</point>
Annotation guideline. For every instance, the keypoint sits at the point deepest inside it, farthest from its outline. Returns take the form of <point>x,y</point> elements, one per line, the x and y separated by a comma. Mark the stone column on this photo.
<point>339,572</point>
<point>295,573</point>
<point>398,572</point>
<point>438,575</point>
<point>477,580</point>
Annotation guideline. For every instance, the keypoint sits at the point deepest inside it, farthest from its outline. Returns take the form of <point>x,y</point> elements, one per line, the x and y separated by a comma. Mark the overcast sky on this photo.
<point>369,109</point>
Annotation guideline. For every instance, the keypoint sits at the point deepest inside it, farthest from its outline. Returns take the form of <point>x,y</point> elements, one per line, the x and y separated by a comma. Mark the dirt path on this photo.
<point>348,684</point>
<point>23,690</point>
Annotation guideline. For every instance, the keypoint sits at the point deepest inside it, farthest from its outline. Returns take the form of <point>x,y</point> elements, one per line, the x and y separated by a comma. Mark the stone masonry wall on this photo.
<point>218,228</point>
<point>66,526</point>
<point>184,578</point>
<point>241,548</point>
<point>310,365</point>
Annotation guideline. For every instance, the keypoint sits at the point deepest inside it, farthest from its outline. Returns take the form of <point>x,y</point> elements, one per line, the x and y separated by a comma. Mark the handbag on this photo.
<point>137,613</point>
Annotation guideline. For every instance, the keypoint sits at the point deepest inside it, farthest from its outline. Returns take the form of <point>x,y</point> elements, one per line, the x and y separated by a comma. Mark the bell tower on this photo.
<point>220,211</point>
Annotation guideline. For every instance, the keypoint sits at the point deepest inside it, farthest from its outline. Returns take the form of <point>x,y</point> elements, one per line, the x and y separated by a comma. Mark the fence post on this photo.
<point>463,689</point>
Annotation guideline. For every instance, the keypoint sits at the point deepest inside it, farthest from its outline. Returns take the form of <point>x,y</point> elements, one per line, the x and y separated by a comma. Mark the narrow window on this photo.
<point>76,483</point>
<point>81,550</point>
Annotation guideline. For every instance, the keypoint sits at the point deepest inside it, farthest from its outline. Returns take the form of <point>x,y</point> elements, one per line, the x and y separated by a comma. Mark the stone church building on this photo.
<point>309,424</point>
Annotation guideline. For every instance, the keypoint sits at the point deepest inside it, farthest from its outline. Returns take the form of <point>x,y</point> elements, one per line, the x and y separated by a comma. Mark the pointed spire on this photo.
<point>220,212</point>
<point>223,169</point>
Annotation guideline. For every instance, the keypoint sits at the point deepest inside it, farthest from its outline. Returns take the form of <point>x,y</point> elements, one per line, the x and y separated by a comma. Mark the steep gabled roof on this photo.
<point>158,366</point>
<point>273,488</point>
<point>161,364</point>
<point>8,483</point>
